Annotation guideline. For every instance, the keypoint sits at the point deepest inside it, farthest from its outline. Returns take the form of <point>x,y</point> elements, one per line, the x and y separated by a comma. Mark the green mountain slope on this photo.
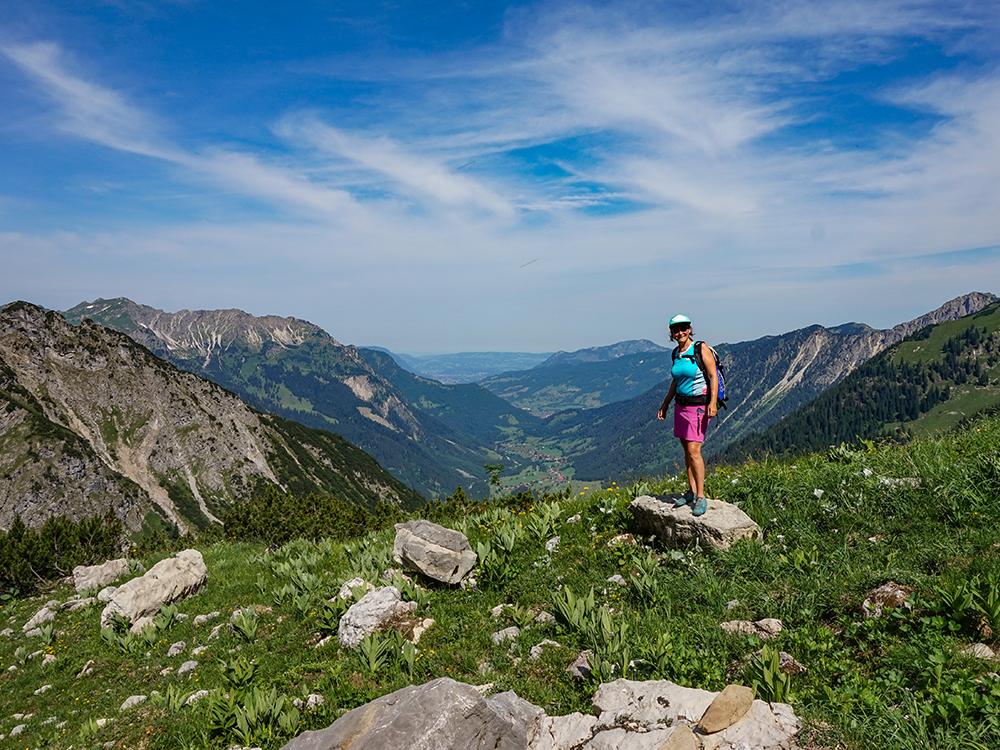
<point>547,389</point>
<point>466,407</point>
<point>928,382</point>
<point>89,420</point>
<point>296,370</point>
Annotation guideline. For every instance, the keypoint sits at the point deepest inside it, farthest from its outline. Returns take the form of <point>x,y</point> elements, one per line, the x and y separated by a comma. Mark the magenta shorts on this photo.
<point>690,422</point>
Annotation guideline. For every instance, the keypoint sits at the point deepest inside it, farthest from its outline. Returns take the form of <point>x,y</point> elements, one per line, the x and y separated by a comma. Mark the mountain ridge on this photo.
<point>293,368</point>
<point>92,420</point>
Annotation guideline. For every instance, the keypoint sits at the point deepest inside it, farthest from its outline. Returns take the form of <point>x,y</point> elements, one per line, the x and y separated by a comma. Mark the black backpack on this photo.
<point>722,398</point>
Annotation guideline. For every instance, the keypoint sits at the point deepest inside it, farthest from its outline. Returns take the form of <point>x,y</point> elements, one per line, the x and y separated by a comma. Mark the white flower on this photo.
<point>818,492</point>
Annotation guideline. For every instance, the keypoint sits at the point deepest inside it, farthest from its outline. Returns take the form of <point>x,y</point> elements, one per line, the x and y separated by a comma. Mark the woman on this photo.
<point>695,392</point>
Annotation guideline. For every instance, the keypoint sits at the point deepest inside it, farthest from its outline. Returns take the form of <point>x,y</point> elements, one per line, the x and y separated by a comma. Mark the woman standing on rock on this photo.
<point>695,388</point>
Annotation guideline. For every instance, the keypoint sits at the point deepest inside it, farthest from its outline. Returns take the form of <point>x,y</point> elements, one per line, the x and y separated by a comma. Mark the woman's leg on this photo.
<point>695,466</point>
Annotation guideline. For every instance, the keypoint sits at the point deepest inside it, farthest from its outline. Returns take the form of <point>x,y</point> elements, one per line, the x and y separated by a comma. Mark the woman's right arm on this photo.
<point>662,413</point>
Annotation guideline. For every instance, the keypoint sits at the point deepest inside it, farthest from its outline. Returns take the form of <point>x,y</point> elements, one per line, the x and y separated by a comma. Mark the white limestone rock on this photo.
<point>722,525</point>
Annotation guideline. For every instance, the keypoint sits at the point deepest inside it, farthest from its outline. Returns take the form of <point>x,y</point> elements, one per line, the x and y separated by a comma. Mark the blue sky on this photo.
<point>442,177</point>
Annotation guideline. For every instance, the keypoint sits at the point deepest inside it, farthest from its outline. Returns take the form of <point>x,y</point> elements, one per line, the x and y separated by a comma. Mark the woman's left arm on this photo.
<point>713,379</point>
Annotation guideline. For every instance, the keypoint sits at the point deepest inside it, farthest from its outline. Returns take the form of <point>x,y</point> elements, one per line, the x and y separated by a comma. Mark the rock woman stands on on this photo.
<point>694,391</point>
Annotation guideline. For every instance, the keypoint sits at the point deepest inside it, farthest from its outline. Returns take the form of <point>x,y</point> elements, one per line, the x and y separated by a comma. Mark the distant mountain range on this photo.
<point>91,421</point>
<point>599,404</point>
<point>295,369</point>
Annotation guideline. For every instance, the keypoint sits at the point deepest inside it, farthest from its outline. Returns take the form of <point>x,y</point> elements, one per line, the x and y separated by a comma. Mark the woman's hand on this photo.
<point>712,410</point>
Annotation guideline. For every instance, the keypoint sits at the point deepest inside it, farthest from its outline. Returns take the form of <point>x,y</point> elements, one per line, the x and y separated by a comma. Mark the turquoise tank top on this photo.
<point>687,375</point>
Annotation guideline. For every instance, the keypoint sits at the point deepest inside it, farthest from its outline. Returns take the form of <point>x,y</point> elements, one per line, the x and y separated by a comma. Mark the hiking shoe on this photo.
<point>687,497</point>
<point>699,507</point>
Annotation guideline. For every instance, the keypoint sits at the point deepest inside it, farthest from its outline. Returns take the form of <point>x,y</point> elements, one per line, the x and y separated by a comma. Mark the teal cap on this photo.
<point>679,319</point>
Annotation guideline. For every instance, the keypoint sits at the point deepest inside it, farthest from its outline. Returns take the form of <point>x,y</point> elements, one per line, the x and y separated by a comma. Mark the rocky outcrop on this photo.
<point>92,422</point>
<point>165,582</point>
<point>722,525</point>
<point>657,715</point>
<point>371,613</point>
<point>434,551</point>
<point>439,715</point>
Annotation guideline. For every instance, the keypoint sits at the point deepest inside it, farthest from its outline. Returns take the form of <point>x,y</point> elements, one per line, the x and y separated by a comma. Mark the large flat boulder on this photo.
<point>722,525</point>
<point>434,551</point>
<point>439,715</point>
<point>167,581</point>
<point>96,577</point>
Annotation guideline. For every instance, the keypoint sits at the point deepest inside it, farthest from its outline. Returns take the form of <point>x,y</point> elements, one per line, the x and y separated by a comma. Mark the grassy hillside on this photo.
<point>836,525</point>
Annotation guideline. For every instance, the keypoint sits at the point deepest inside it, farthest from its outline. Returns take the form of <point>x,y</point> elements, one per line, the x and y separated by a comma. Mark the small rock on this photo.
<point>195,697</point>
<point>165,671</point>
<point>181,617</point>
<point>628,539</point>
<point>580,668</point>
<point>887,596</point>
<point>199,650</point>
<point>979,651</point>
<point>105,594</point>
<point>573,519</point>
<point>74,605</point>
<point>767,628</point>
<point>48,659</point>
<point>50,720</point>
<point>188,666</point>
<point>131,701</point>
<point>485,689</point>
<point>101,723</point>
<point>312,701</point>
<point>726,709</point>
<point>552,544</point>
<point>202,619</point>
<point>7,632</point>
<point>419,629</point>
<point>732,604</point>
<point>544,618</point>
<point>43,689</point>
<point>87,669</point>
<point>215,632</point>
<point>536,651</point>
<point>41,617</point>
<point>18,729</point>
<point>33,633</point>
<point>616,578</point>
<point>498,610</point>
<point>177,648</point>
<point>11,668</point>
<point>347,590</point>
<point>507,634</point>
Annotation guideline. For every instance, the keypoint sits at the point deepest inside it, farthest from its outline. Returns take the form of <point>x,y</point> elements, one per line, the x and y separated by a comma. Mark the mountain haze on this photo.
<point>89,420</point>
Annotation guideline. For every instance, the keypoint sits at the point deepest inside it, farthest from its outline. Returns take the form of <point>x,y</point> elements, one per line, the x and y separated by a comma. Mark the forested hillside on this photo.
<point>930,381</point>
